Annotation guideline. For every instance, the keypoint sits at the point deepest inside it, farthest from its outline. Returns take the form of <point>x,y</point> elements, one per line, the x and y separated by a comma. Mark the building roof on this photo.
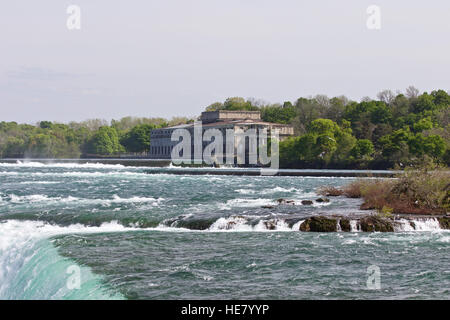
<point>226,123</point>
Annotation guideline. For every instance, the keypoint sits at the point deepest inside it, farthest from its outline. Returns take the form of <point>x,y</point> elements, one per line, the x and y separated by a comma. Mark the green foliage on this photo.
<point>400,130</point>
<point>396,129</point>
<point>324,141</point>
<point>423,124</point>
<point>277,114</point>
<point>91,137</point>
<point>48,140</point>
<point>363,150</point>
<point>138,138</point>
<point>235,103</point>
<point>104,142</point>
<point>45,124</point>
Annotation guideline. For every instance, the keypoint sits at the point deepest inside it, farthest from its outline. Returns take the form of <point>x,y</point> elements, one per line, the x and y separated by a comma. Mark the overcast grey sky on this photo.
<point>174,57</point>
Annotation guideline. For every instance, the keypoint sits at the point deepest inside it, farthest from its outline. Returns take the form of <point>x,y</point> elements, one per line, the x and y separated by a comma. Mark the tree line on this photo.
<point>94,137</point>
<point>394,129</point>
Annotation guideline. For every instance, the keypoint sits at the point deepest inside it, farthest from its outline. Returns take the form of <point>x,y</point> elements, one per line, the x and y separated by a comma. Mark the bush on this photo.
<point>415,191</point>
<point>330,191</point>
<point>354,189</point>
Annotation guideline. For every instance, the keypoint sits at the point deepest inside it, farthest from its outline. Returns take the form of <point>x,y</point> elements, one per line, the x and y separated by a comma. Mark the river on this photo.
<point>98,231</point>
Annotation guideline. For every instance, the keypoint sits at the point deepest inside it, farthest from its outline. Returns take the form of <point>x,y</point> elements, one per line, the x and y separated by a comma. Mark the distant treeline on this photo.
<point>94,137</point>
<point>395,129</point>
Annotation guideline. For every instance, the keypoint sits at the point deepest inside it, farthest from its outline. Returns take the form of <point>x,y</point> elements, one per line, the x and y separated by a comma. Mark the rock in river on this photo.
<point>444,222</point>
<point>345,225</point>
<point>378,224</point>
<point>319,224</point>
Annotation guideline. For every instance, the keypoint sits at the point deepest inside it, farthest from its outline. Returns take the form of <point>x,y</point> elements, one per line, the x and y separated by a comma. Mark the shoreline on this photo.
<point>141,162</point>
<point>162,166</point>
<point>279,172</point>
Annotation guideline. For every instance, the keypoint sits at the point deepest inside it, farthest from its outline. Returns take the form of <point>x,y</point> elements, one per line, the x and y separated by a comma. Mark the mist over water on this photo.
<point>155,236</point>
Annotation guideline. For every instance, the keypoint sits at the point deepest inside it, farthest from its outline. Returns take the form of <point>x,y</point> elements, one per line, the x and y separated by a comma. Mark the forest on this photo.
<point>90,138</point>
<point>394,130</point>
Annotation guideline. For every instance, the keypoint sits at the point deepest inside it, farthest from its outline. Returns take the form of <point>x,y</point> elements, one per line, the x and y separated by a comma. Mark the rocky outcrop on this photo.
<point>345,225</point>
<point>270,225</point>
<point>285,201</point>
<point>444,222</point>
<point>319,224</point>
<point>195,224</point>
<point>367,206</point>
<point>376,224</point>
<point>307,202</point>
<point>321,200</point>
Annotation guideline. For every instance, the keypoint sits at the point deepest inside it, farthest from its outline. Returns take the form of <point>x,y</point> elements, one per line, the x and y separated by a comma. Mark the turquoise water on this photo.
<point>134,235</point>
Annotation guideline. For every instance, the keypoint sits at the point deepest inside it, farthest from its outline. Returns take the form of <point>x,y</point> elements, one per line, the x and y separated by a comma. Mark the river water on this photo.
<point>94,231</point>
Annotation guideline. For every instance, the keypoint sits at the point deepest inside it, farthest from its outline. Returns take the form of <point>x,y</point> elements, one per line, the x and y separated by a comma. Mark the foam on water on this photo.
<point>404,225</point>
<point>268,191</point>
<point>31,268</point>
<point>240,202</point>
<point>419,224</point>
<point>354,226</point>
<point>39,198</point>
<point>231,223</point>
<point>251,223</point>
<point>97,165</point>
<point>338,225</point>
<point>90,174</point>
<point>240,224</point>
<point>296,226</point>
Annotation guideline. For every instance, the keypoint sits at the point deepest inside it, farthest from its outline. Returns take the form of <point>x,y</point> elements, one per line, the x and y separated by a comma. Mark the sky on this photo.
<point>175,57</point>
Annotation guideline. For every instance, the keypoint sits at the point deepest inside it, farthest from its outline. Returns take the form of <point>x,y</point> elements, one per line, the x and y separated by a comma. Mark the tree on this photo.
<point>363,150</point>
<point>395,145</point>
<point>434,146</point>
<point>138,138</point>
<point>387,96</point>
<point>325,141</point>
<point>441,98</point>
<point>45,124</point>
<point>307,110</point>
<point>412,92</point>
<point>278,114</point>
<point>238,103</point>
<point>215,106</point>
<point>423,124</point>
<point>336,109</point>
<point>323,126</point>
<point>424,102</point>
<point>380,114</point>
<point>40,145</point>
<point>13,147</point>
<point>105,142</point>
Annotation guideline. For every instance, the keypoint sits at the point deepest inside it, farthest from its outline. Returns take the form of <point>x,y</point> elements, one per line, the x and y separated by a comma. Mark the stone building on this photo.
<point>239,122</point>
